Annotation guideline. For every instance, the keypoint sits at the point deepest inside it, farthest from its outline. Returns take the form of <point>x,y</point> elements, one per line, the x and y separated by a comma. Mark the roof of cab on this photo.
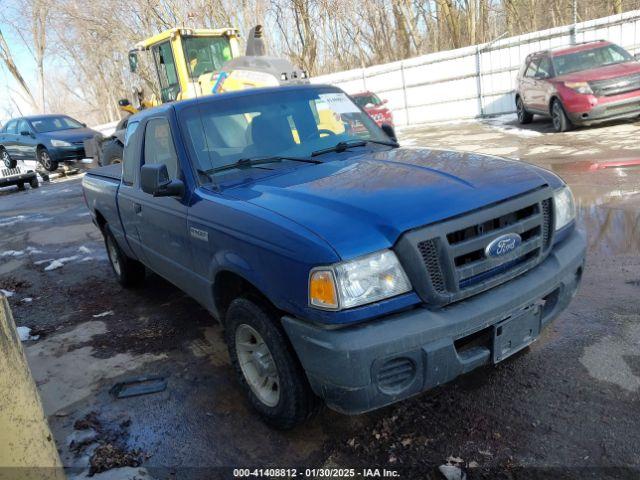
<point>191,32</point>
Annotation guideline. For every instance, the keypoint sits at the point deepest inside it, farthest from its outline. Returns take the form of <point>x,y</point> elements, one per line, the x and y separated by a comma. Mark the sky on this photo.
<point>8,87</point>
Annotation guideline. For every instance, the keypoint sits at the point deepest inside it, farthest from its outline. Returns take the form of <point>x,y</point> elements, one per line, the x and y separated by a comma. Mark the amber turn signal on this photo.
<point>322,289</point>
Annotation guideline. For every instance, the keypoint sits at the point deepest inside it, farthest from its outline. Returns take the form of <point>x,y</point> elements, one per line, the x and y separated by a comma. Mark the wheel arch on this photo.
<point>229,285</point>
<point>554,98</point>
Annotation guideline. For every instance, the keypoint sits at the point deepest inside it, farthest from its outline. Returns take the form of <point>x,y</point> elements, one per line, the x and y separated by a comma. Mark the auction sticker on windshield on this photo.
<point>339,102</point>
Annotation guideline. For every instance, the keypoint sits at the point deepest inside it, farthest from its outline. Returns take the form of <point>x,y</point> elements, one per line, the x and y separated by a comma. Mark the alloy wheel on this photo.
<point>45,159</point>
<point>555,116</point>
<point>113,256</point>
<point>6,159</point>
<point>257,365</point>
<point>520,111</point>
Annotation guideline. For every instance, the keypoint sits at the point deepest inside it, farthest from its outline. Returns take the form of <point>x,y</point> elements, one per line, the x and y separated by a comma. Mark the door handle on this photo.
<point>137,208</point>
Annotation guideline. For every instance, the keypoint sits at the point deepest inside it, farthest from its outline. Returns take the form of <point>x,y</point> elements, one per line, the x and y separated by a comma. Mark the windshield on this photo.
<point>206,54</point>
<point>292,123</point>
<point>588,59</point>
<point>369,99</point>
<point>54,124</point>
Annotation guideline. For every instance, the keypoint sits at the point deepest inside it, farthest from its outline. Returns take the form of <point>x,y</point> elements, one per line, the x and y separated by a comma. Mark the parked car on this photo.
<point>341,266</point>
<point>18,177</point>
<point>579,84</point>
<point>376,108</point>
<point>48,139</point>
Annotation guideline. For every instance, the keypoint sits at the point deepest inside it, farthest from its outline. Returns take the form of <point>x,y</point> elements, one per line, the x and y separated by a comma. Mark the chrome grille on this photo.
<point>7,172</point>
<point>446,262</point>
<point>615,86</point>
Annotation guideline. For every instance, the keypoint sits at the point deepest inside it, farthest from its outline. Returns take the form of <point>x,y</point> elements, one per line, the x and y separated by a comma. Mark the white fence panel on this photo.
<point>473,81</point>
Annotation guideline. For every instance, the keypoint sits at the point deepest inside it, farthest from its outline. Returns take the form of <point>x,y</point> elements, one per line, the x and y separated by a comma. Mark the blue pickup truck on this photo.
<point>342,266</point>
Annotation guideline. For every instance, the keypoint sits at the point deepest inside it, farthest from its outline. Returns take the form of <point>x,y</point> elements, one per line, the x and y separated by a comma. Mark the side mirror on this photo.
<point>84,125</point>
<point>541,75</point>
<point>24,133</point>
<point>123,102</point>
<point>385,101</point>
<point>389,130</point>
<point>154,180</point>
<point>637,56</point>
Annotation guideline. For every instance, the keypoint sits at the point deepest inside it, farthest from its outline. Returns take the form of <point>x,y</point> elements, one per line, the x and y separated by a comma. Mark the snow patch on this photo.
<point>103,314</point>
<point>24,333</point>
<point>505,124</point>
<point>84,249</point>
<point>12,253</point>
<point>59,263</point>
<point>7,293</point>
<point>27,300</point>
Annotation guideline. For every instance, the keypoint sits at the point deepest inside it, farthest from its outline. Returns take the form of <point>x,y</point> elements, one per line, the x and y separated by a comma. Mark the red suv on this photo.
<point>580,84</point>
<point>375,107</point>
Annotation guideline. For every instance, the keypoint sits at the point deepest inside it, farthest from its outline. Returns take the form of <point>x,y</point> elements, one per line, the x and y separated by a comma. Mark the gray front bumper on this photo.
<point>352,368</point>
<point>628,108</point>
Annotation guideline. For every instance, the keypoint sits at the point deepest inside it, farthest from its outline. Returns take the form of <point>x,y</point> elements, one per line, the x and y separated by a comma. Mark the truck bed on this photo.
<point>112,172</point>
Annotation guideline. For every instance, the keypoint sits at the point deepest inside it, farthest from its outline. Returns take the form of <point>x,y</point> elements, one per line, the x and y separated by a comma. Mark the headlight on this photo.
<point>358,282</point>
<point>60,143</point>
<point>580,87</point>
<point>564,207</point>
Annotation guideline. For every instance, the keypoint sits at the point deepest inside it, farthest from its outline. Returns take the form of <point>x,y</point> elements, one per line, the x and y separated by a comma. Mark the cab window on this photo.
<point>131,152</point>
<point>159,148</point>
<point>530,72</point>
<point>11,127</point>
<point>23,126</point>
<point>544,69</point>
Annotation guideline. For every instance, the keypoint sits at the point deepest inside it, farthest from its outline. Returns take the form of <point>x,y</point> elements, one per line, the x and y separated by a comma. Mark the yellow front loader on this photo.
<point>190,63</point>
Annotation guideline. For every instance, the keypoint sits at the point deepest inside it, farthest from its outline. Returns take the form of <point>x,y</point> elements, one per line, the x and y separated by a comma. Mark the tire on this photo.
<point>21,186</point>
<point>285,399</point>
<point>44,159</point>
<point>34,182</point>
<point>561,122</point>
<point>111,153</point>
<point>129,272</point>
<point>7,160</point>
<point>524,117</point>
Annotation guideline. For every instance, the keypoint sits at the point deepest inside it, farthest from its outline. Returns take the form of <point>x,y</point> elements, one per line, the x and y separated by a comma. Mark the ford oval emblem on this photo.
<point>503,245</point>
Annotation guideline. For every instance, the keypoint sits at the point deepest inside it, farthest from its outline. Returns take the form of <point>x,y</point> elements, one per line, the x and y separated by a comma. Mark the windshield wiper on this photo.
<point>343,146</point>
<point>252,162</point>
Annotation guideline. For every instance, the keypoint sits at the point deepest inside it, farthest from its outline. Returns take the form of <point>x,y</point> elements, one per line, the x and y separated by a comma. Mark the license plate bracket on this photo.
<point>513,334</point>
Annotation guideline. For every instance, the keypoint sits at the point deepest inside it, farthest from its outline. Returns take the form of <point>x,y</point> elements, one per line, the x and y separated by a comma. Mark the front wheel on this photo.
<point>7,160</point>
<point>44,159</point>
<point>561,122</point>
<point>34,182</point>
<point>129,272</point>
<point>267,369</point>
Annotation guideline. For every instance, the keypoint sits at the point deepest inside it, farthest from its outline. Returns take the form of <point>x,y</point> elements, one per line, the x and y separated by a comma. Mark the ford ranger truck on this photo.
<point>342,266</point>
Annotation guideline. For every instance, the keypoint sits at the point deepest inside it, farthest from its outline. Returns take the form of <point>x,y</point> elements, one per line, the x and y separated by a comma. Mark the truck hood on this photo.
<point>364,202</point>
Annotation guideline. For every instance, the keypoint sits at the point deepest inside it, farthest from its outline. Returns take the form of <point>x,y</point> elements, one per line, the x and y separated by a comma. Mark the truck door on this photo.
<point>167,73</point>
<point>9,138</point>
<point>26,141</point>
<point>541,89</point>
<point>129,191</point>
<point>163,224</point>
